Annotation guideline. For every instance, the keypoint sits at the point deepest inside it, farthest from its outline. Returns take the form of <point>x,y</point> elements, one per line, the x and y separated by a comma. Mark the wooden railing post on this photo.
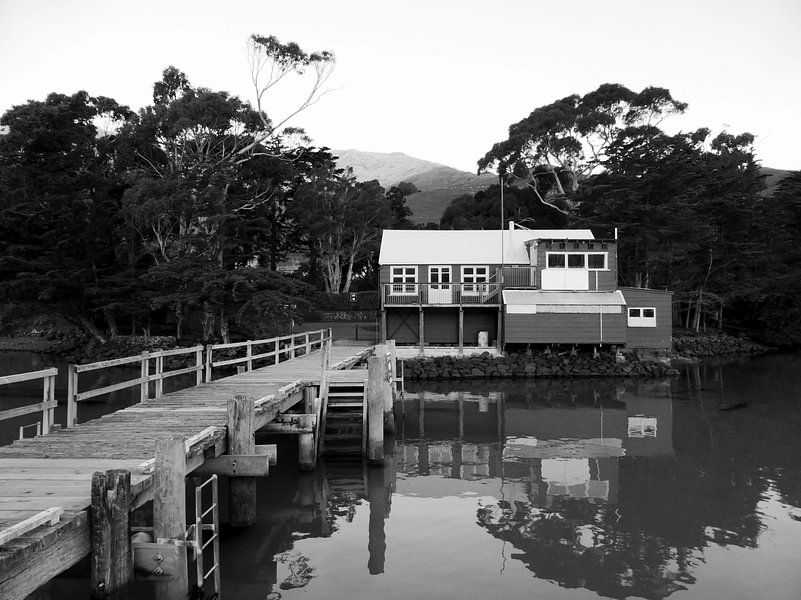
<point>199,366</point>
<point>241,440</point>
<point>72,392</point>
<point>209,351</point>
<point>308,345</point>
<point>112,560</point>
<point>47,396</point>
<point>159,371</point>
<point>249,355</point>
<point>144,391</point>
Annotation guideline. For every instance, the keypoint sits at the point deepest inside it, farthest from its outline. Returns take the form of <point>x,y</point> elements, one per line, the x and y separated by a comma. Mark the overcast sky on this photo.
<point>436,80</point>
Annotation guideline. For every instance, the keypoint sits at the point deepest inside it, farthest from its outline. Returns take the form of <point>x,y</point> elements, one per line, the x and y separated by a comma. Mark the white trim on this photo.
<point>636,316</point>
<point>474,288</point>
<point>405,287</point>
<point>586,266</point>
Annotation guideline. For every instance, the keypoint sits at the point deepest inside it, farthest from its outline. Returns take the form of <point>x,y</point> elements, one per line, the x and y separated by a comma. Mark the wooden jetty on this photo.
<point>70,493</point>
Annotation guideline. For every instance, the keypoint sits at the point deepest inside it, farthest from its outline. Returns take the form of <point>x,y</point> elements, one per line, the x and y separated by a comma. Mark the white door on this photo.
<point>440,290</point>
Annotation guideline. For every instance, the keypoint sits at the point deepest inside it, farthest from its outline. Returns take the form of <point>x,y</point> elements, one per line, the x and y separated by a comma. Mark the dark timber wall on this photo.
<point>565,328</point>
<point>403,325</point>
<point>441,326</point>
<point>476,320</point>
<point>650,337</point>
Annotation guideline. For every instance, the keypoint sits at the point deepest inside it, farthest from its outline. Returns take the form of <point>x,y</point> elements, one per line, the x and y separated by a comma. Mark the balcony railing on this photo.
<point>449,294</point>
<point>517,277</point>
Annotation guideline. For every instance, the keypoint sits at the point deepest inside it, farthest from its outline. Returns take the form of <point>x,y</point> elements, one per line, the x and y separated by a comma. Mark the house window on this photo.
<point>642,317</point>
<point>575,261</point>
<point>404,280</point>
<point>596,261</point>
<point>473,275</point>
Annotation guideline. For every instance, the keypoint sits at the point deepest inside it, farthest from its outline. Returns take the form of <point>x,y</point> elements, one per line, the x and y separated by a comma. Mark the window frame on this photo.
<point>639,319</point>
<point>405,287</point>
<point>474,287</point>
<point>586,260</point>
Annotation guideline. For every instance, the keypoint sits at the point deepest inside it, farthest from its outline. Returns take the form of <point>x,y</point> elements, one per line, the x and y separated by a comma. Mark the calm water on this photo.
<point>688,488</point>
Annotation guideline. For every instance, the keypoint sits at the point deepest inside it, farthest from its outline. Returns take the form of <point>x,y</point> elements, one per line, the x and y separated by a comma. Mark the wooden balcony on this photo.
<point>440,294</point>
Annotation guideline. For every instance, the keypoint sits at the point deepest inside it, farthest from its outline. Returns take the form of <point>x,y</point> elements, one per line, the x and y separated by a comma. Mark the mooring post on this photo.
<point>112,560</point>
<point>307,457</point>
<point>382,350</point>
<point>375,410</point>
<point>241,440</point>
<point>169,512</point>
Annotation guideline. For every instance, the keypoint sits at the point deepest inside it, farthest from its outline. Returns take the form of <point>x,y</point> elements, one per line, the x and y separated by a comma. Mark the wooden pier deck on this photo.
<point>56,470</point>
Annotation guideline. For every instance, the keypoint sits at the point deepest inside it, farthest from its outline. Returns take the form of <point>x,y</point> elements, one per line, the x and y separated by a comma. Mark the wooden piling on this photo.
<point>375,410</point>
<point>241,440</point>
<point>112,560</point>
<point>169,512</point>
<point>307,457</point>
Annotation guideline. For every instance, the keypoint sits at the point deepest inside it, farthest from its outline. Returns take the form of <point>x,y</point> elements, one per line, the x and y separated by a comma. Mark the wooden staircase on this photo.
<point>344,424</point>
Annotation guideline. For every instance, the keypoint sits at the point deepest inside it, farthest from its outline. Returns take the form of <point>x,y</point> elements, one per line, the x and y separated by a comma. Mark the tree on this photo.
<point>341,217</point>
<point>397,205</point>
<point>560,144</point>
<point>59,196</point>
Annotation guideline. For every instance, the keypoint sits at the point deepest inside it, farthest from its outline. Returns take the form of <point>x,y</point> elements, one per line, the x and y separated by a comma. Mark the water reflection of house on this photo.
<point>551,462</point>
<point>540,451</point>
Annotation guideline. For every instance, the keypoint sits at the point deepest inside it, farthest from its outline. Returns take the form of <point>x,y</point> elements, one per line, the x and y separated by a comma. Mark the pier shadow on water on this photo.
<point>549,489</point>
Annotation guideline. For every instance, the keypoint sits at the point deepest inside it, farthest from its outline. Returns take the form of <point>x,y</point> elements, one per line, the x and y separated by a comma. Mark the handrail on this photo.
<point>47,406</point>
<point>308,344</point>
<point>143,381</point>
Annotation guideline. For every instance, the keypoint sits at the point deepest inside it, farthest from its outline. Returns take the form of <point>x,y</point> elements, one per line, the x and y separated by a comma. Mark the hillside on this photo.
<point>438,184</point>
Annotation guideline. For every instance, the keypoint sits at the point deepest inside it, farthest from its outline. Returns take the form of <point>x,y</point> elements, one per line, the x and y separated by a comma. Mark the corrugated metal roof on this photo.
<point>541,297</point>
<point>415,247</point>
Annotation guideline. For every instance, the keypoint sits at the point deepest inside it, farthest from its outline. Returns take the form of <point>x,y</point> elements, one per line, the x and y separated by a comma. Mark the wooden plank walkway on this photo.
<point>56,470</point>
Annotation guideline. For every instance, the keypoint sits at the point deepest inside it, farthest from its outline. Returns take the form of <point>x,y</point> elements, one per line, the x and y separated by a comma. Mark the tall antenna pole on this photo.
<point>500,179</point>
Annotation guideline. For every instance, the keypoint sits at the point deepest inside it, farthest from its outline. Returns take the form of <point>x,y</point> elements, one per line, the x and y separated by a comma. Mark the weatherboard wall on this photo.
<point>565,328</point>
<point>598,280</point>
<point>658,337</point>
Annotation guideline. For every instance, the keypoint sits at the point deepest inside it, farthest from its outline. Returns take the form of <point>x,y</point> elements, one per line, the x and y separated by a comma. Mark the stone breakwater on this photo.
<point>484,365</point>
<point>699,345</point>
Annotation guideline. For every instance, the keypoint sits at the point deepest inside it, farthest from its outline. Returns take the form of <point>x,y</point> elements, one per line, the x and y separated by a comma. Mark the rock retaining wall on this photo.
<point>537,365</point>
<point>698,345</point>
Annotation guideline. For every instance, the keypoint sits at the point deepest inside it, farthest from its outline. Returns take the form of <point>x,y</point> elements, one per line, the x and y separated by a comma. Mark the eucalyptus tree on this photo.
<point>558,145</point>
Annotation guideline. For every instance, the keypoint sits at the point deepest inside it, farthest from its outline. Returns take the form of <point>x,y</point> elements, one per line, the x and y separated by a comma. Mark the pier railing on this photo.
<point>158,375</point>
<point>47,406</point>
<point>277,349</point>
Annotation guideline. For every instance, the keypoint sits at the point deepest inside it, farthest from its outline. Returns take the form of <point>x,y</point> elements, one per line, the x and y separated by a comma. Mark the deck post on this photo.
<point>112,560</point>
<point>461,330</point>
<point>209,351</point>
<point>47,396</point>
<point>249,355</point>
<point>199,367</point>
<point>375,410</point>
<point>499,335</point>
<point>144,391</point>
<point>421,329</point>
<point>383,326</point>
<point>169,511</point>
<point>241,440</point>
<point>159,372</point>
<point>72,392</point>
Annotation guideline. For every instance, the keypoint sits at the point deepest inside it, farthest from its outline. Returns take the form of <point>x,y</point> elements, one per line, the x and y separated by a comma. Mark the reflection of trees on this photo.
<point>577,544</point>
